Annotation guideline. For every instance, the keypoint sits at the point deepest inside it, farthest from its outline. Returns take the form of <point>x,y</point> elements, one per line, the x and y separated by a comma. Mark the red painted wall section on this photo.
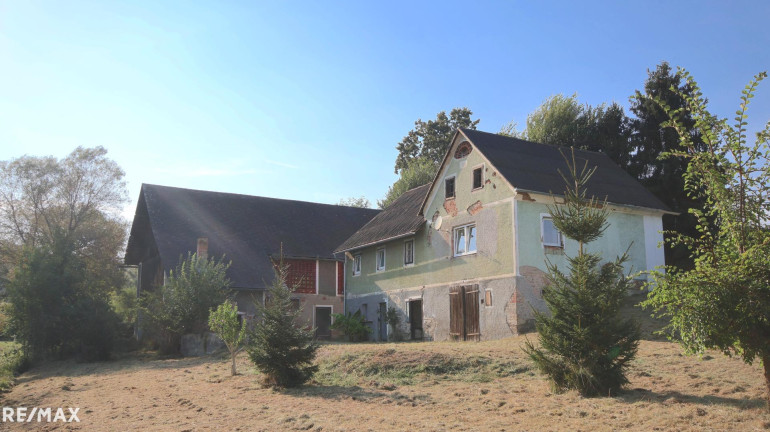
<point>301,275</point>
<point>340,278</point>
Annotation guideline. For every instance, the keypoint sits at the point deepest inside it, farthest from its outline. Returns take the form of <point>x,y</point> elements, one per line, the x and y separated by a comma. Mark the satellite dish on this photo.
<point>437,224</point>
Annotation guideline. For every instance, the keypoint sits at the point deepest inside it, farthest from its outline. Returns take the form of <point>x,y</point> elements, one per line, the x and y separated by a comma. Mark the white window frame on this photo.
<point>543,217</point>
<point>482,178</point>
<point>409,264</point>
<point>467,239</point>
<point>453,176</point>
<point>377,267</point>
<point>356,265</point>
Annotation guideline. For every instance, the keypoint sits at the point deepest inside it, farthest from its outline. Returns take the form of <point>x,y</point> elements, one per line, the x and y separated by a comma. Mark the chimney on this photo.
<point>203,248</point>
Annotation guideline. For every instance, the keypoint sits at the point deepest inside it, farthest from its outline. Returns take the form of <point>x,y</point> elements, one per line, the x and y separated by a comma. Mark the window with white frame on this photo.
<point>409,252</point>
<point>550,235</point>
<point>465,240</point>
<point>356,265</point>
<point>380,260</point>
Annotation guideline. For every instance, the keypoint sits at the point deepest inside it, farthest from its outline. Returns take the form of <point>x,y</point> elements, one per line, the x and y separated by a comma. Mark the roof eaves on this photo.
<point>376,242</point>
<point>630,206</point>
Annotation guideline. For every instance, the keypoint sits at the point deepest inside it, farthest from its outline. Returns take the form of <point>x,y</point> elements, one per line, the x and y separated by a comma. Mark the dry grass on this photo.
<point>408,386</point>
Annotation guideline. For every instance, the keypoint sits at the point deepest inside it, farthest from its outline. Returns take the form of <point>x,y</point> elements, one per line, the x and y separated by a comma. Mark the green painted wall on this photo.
<point>625,229</point>
<point>434,260</point>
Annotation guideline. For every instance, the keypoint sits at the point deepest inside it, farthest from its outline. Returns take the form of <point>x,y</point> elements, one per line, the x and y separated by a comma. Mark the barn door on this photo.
<point>464,312</point>
<point>472,313</point>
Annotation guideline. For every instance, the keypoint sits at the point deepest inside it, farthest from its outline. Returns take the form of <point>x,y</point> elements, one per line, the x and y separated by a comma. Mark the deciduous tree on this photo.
<point>430,140</point>
<point>226,324</point>
<point>419,172</point>
<point>723,302</point>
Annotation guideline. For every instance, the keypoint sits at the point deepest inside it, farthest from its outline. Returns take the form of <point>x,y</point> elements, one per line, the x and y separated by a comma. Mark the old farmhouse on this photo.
<point>249,231</point>
<point>464,257</point>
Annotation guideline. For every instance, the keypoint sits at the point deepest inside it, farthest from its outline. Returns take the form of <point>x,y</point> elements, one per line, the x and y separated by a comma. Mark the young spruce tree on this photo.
<point>281,348</point>
<point>584,343</point>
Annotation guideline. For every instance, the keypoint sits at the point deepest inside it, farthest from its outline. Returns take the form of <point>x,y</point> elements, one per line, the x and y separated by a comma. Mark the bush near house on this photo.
<point>182,304</point>
<point>352,325</point>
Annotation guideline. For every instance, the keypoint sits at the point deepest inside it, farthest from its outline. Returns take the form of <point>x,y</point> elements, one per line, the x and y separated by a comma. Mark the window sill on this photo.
<point>553,250</point>
<point>464,254</point>
<point>477,189</point>
<point>379,271</point>
<point>409,265</point>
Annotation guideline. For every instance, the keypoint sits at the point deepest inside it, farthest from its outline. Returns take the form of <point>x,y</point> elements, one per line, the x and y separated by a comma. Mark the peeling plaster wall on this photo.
<point>509,263</point>
<point>436,269</point>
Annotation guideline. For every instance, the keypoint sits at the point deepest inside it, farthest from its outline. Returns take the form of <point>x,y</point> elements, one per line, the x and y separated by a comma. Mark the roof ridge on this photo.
<point>252,196</point>
<point>558,146</point>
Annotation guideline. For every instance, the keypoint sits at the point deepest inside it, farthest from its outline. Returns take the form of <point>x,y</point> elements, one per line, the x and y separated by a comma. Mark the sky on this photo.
<point>307,100</point>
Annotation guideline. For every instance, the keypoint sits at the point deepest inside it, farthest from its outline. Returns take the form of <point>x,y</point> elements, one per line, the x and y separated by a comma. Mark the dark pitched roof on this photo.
<point>533,167</point>
<point>247,229</point>
<point>400,219</point>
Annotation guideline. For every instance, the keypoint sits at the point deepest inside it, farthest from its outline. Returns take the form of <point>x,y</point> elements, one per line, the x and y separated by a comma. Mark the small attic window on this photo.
<point>463,150</point>
<point>449,188</point>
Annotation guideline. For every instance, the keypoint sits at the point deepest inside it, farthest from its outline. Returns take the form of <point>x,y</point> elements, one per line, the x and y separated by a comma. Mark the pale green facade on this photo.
<point>508,266</point>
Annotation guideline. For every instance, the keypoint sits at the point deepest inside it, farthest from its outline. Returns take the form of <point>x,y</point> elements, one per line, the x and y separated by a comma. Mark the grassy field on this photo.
<point>481,386</point>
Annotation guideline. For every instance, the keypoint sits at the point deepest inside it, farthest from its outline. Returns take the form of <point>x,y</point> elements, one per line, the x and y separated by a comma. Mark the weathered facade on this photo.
<point>465,256</point>
<point>251,232</point>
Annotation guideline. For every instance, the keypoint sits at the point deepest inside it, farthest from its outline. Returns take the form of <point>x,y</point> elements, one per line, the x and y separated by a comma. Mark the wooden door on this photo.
<point>472,331</point>
<point>464,313</point>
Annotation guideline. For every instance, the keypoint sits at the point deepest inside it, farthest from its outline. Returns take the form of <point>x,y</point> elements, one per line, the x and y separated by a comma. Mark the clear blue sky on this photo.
<point>307,100</point>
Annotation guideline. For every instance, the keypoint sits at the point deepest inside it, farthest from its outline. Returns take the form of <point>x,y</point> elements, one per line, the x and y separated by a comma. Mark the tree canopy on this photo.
<point>564,121</point>
<point>723,302</point>
<point>77,199</point>
<point>360,202</point>
<point>60,238</point>
<point>650,138</point>
<point>418,172</point>
<point>431,139</point>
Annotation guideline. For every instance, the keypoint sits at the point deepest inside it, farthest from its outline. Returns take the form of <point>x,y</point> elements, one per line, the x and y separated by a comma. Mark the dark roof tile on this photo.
<point>530,166</point>
<point>400,219</point>
<point>246,229</point>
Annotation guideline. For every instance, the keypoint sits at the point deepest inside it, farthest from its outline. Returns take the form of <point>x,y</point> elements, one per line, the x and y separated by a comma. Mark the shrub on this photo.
<point>55,308</point>
<point>225,323</point>
<point>352,325</point>
<point>183,303</point>
<point>280,348</point>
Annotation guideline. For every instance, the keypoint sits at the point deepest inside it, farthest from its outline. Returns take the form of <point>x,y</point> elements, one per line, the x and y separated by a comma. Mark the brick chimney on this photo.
<point>203,248</point>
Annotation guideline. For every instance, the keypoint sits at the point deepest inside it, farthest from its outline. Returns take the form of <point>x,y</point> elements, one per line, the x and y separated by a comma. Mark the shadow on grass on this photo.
<point>356,393</point>
<point>648,325</point>
<point>127,363</point>
<point>674,397</point>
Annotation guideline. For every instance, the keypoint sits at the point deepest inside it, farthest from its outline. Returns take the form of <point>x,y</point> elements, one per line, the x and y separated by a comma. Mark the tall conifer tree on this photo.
<point>584,343</point>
